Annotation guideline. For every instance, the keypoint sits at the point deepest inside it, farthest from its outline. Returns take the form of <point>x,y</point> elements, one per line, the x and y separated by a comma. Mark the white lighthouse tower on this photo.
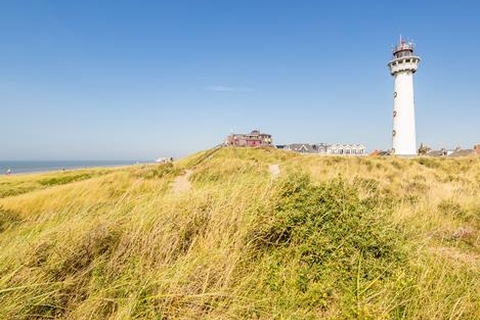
<point>402,67</point>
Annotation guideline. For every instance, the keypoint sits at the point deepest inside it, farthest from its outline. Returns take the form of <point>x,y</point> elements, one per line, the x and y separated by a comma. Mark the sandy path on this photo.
<point>274,170</point>
<point>181,183</point>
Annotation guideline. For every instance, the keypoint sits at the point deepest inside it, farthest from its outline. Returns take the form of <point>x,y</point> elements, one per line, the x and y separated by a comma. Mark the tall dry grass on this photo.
<point>331,237</point>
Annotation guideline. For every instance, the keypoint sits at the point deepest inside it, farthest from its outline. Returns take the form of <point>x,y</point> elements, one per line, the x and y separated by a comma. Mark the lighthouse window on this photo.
<point>408,60</point>
<point>394,113</point>
<point>395,94</point>
<point>394,133</point>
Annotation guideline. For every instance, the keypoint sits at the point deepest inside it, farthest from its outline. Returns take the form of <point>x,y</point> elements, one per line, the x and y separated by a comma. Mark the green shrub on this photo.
<point>335,239</point>
<point>14,190</point>
<point>64,178</point>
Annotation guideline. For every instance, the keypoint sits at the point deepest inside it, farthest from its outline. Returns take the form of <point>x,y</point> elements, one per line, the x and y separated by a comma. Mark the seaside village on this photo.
<point>260,139</point>
<point>402,67</point>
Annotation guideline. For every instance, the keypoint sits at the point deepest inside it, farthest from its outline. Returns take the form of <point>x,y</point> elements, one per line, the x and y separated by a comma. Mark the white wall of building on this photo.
<point>404,137</point>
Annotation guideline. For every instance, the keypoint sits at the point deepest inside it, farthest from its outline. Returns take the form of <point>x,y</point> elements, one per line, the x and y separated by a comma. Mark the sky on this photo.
<point>138,80</point>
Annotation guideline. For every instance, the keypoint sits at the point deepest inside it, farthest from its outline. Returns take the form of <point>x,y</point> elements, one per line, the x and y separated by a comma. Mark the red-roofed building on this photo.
<point>252,139</point>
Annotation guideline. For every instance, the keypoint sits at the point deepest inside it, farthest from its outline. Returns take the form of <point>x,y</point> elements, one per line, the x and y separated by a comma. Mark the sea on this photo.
<point>19,167</point>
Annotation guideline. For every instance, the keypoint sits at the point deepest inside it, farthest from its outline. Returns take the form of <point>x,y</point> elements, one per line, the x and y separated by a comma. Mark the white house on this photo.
<point>346,149</point>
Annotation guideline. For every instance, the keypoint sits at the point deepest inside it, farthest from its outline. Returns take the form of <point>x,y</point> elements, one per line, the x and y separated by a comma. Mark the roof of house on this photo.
<point>434,153</point>
<point>318,147</point>
<point>346,145</point>
<point>462,153</point>
<point>305,147</point>
<point>450,153</point>
<point>254,133</point>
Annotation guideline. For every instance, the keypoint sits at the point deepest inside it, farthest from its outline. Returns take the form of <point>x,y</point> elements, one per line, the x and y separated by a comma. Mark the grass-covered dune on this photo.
<point>329,237</point>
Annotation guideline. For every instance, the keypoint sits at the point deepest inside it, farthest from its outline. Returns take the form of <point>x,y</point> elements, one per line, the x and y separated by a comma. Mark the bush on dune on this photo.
<point>321,245</point>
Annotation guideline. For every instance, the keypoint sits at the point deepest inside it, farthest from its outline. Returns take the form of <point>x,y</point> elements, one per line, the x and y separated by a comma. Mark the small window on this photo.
<point>394,133</point>
<point>395,94</point>
<point>408,60</point>
<point>394,113</point>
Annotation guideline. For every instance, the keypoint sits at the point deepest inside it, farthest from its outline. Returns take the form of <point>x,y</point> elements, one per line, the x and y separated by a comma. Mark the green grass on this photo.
<point>331,237</point>
<point>16,185</point>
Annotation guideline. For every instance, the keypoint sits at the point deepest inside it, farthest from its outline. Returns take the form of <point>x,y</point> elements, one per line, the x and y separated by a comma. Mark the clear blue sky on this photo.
<point>143,79</point>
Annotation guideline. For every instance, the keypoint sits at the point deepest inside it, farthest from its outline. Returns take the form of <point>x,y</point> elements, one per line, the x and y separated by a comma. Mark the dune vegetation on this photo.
<point>328,238</point>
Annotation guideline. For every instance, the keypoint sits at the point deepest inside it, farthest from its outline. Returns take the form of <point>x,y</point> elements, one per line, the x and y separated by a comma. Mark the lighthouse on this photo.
<point>403,65</point>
